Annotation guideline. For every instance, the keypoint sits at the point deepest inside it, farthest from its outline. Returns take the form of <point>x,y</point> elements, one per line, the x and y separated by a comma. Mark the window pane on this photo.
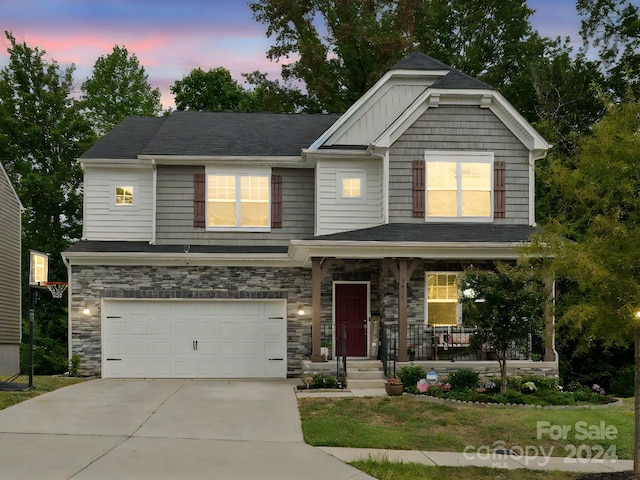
<point>442,204</point>
<point>351,187</point>
<point>254,207</point>
<point>443,313</point>
<point>476,176</point>
<point>476,204</point>
<point>222,201</point>
<point>124,196</point>
<point>441,175</point>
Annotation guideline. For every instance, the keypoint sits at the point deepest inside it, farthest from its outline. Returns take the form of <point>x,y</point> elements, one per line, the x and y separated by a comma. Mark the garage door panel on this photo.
<point>171,338</point>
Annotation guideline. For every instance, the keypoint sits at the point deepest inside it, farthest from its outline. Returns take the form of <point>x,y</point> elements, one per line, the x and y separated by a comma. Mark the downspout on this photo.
<point>155,203</point>
<point>532,190</point>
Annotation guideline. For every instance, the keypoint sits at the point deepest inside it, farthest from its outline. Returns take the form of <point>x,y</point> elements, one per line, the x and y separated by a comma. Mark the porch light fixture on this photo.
<point>86,310</point>
<point>300,309</point>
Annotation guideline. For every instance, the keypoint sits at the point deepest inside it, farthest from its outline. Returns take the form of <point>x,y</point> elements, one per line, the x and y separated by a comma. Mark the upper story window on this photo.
<point>351,184</point>
<point>123,195</point>
<point>459,186</point>
<point>238,199</point>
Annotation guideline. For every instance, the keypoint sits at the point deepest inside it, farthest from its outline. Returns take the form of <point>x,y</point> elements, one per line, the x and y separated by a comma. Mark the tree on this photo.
<point>214,91</point>
<point>601,217</point>
<point>264,95</point>
<point>492,40</point>
<point>42,132</point>
<point>506,305</point>
<point>118,88</point>
<point>613,26</point>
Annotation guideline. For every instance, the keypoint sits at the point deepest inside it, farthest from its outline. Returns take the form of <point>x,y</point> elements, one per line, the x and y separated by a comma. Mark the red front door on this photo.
<point>351,311</point>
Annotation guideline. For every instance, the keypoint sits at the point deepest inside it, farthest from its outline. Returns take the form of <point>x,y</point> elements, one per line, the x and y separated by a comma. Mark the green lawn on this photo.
<point>40,385</point>
<point>405,423</point>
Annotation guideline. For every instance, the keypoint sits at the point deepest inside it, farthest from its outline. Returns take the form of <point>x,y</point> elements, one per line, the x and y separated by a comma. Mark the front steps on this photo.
<point>364,374</point>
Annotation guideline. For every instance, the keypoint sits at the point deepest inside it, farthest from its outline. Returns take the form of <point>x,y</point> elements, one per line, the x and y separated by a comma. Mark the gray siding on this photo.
<point>10,299</point>
<point>174,214</point>
<point>458,128</point>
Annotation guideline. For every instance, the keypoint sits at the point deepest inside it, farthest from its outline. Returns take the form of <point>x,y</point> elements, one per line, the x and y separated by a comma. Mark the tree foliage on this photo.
<point>613,27</point>
<point>42,132</point>
<point>214,91</point>
<point>117,88</point>
<point>506,305</point>
<point>491,40</point>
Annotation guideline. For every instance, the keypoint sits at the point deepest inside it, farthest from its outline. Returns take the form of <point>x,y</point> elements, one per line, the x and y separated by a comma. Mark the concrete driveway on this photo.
<point>163,429</point>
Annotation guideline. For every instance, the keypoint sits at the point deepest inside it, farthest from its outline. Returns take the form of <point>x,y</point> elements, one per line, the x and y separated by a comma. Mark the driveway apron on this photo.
<point>163,429</point>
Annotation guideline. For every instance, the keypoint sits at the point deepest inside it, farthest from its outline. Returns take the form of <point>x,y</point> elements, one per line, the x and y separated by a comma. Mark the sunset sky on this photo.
<point>171,38</point>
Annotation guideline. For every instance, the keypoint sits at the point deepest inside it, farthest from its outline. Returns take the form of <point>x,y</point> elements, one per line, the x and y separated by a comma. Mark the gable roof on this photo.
<point>453,79</point>
<point>420,61</point>
<point>185,133</point>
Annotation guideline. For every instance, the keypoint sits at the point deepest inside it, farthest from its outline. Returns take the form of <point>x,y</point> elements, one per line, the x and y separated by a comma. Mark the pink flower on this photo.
<point>422,385</point>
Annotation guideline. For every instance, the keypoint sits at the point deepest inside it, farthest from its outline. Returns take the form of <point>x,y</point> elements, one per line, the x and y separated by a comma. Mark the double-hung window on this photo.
<point>238,199</point>
<point>442,298</point>
<point>459,186</point>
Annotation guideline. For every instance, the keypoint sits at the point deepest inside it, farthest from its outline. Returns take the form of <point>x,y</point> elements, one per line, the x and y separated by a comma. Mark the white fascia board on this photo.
<point>346,117</point>
<point>484,98</point>
<point>242,160</point>
<point>178,259</point>
<point>301,251</point>
<point>115,162</point>
<point>328,153</point>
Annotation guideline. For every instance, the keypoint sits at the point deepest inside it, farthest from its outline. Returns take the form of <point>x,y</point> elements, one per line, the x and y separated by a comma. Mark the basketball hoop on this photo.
<point>57,289</point>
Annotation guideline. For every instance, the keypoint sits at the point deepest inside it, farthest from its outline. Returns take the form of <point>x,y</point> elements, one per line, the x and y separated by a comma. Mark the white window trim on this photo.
<point>237,172</point>
<point>344,173</point>
<point>112,195</point>
<point>426,295</point>
<point>460,157</point>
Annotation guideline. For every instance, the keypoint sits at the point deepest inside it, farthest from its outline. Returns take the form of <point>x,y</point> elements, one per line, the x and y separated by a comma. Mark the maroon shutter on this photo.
<point>199,202</point>
<point>276,201</point>
<point>499,189</point>
<point>418,188</point>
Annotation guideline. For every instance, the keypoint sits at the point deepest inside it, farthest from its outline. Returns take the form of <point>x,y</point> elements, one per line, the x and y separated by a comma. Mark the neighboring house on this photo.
<point>10,279</point>
<point>234,244</point>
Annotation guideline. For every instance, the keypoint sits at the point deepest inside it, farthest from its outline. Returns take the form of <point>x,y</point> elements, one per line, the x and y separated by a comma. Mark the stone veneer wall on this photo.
<point>93,283</point>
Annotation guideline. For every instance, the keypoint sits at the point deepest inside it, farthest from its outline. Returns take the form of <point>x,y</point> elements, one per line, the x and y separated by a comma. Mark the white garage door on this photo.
<point>185,339</point>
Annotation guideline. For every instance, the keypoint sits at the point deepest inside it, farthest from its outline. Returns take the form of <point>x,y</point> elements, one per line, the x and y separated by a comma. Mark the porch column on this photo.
<point>403,271</point>
<point>549,320</point>
<point>319,269</point>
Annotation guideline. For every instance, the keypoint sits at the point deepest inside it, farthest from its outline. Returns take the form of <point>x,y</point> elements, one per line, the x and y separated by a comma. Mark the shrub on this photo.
<point>622,383</point>
<point>320,380</point>
<point>542,383</point>
<point>464,379</point>
<point>409,377</point>
<point>74,365</point>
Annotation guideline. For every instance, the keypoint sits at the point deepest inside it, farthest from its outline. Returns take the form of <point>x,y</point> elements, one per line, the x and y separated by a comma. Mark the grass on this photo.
<point>41,385</point>
<point>413,471</point>
<point>406,423</point>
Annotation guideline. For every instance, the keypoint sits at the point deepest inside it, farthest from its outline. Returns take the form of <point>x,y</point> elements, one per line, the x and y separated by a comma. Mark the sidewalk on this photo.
<point>476,458</point>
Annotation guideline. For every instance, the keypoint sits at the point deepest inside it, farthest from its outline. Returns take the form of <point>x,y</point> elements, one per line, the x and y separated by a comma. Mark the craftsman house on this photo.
<point>220,244</point>
<point>11,298</point>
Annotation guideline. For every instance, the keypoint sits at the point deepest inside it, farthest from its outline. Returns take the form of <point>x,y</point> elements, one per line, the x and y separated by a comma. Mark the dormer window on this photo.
<point>351,184</point>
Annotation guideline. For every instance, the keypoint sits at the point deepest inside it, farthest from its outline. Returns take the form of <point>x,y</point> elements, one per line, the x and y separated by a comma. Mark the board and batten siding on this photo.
<point>11,298</point>
<point>380,112</point>
<point>103,220</point>
<point>335,214</point>
<point>175,210</point>
<point>458,128</point>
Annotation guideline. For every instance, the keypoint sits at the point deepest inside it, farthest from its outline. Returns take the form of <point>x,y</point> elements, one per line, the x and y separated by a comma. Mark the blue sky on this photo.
<point>171,38</point>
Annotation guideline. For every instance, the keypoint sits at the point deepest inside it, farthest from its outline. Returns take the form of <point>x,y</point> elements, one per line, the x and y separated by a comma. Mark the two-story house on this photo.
<point>10,277</point>
<point>232,244</point>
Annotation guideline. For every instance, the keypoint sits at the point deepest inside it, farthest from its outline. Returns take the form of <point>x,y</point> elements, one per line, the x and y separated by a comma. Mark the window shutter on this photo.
<point>199,202</point>
<point>499,189</point>
<point>276,201</point>
<point>418,188</point>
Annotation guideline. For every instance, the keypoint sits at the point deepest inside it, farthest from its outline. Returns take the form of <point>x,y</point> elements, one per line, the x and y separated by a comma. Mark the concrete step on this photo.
<point>365,374</point>
<point>357,384</point>
<point>364,365</point>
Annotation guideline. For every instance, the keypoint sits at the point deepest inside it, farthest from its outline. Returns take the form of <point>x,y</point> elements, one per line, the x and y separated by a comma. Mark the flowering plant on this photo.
<point>410,348</point>
<point>393,381</point>
<point>597,389</point>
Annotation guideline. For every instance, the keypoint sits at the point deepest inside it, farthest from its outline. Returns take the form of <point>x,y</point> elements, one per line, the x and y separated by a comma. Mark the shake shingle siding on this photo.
<point>458,128</point>
<point>174,215</point>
